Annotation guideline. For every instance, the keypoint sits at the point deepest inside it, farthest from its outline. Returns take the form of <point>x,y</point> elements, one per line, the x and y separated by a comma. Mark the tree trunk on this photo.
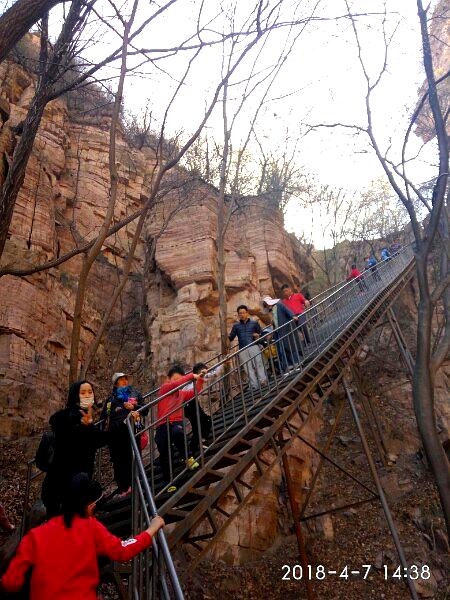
<point>423,394</point>
<point>221,227</point>
<point>126,271</point>
<point>16,174</point>
<point>17,20</point>
<point>91,255</point>
<point>77,317</point>
<point>221,287</point>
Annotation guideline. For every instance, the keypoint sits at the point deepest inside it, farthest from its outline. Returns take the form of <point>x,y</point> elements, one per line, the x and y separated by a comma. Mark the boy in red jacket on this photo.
<point>191,405</point>
<point>355,274</point>
<point>62,554</point>
<point>170,427</point>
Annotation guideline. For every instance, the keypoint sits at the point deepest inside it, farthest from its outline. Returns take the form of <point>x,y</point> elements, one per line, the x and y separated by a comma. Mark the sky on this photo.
<point>320,82</point>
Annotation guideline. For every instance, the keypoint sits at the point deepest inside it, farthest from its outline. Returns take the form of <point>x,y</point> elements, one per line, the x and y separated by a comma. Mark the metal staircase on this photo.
<point>251,429</point>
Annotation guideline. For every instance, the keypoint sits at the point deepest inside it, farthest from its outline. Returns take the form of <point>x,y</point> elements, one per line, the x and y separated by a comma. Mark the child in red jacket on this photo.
<point>356,274</point>
<point>62,554</point>
<point>170,428</point>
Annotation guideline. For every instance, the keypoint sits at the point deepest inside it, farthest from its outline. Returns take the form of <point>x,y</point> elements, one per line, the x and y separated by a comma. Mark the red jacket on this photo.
<point>354,274</point>
<point>296,303</point>
<point>172,401</point>
<point>63,560</point>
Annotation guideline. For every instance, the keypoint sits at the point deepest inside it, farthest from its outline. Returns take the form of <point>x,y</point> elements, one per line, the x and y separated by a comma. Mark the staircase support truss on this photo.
<point>197,507</point>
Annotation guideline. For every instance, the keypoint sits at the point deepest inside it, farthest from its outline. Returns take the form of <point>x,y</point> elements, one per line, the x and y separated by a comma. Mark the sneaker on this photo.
<point>171,489</point>
<point>192,464</point>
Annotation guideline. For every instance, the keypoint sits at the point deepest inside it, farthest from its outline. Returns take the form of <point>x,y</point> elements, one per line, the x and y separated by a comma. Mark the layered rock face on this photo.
<point>61,204</point>
<point>172,292</point>
<point>439,30</point>
<point>182,297</point>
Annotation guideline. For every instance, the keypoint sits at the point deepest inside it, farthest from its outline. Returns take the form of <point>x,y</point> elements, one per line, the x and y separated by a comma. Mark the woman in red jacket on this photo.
<point>62,553</point>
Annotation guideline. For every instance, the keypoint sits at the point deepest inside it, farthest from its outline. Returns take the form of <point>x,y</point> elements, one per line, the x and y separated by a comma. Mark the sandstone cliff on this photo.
<point>182,297</point>
<point>170,313</point>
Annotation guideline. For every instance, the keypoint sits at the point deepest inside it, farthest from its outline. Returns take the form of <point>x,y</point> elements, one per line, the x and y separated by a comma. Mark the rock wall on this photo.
<point>182,297</point>
<point>61,204</point>
<point>439,30</point>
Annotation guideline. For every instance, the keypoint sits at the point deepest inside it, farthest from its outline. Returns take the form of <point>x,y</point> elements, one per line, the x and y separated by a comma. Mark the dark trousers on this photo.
<point>288,349</point>
<point>53,489</point>
<point>121,456</point>
<point>303,328</point>
<point>362,284</point>
<point>190,412</point>
<point>375,273</point>
<point>165,436</point>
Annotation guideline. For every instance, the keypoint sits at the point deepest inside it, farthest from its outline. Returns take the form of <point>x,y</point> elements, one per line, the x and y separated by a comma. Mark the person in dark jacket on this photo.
<point>247,331</point>
<point>62,555</point>
<point>288,347</point>
<point>76,440</point>
<point>124,399</point>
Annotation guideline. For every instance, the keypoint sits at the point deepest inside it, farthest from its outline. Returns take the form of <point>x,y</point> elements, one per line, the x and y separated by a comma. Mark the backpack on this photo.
<point>46,451</point>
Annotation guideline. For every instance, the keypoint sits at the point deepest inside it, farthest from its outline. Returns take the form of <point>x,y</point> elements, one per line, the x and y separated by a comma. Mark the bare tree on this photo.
<point>166,165</point>
<point>434,229</point>
<point>18,19</point>
<point>90,255</point>
<point>50,67</point>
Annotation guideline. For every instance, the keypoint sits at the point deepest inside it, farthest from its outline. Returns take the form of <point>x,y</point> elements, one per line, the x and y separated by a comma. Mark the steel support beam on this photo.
<point>297,526</point>
<point>381,494</point>
<point>401,342</point>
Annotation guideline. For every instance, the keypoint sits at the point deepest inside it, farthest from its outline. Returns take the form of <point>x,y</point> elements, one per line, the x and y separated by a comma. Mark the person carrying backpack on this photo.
<point>70,447</point>
<point>356,274</point>
<point>63,553</point>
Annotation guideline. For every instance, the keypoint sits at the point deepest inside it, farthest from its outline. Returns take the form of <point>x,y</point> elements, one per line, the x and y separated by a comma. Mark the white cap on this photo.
<point>270,301</point>
<point>116,376</point>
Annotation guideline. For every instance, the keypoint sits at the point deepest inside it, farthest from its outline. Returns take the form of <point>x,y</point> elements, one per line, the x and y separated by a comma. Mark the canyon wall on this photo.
<point>168,310</point>
<point>182,297</point>
<point>61,204</point>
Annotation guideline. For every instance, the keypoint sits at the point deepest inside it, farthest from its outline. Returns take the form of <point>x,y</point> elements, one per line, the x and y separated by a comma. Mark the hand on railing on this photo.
<point>155,525</point>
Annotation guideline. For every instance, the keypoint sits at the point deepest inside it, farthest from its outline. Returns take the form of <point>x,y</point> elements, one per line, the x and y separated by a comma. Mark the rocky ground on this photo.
<point>351,538</point>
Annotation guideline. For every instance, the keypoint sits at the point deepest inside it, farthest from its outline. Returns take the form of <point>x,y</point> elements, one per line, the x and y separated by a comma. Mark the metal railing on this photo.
<point>219,404</point>
<point>153,573</point>
<point>34,474</point>
<point>218,408</point>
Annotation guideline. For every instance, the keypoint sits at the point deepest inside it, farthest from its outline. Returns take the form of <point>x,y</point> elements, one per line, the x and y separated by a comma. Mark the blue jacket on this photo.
<point>114,411</point>
<point>281,314</point>
<point>244,331</point>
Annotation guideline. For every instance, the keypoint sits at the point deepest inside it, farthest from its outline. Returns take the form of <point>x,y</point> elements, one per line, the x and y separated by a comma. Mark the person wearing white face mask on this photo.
<point>74,444</point>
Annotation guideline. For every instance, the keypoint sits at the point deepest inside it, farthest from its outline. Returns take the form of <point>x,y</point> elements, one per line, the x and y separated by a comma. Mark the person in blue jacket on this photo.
<point>385,254</point>
<point>288,346</point>
<point>372,266</point>
<point>123,400</point>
